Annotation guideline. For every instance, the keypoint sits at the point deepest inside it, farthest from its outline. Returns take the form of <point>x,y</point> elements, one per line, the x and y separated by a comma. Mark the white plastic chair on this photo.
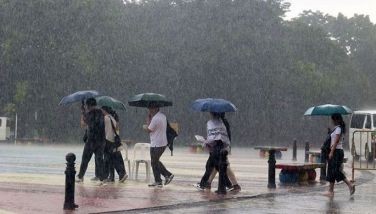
<point>141,154</point>
<point>124,153</point>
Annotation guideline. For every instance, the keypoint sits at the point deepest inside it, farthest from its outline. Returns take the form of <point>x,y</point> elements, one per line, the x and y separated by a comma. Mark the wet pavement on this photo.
<point>32,181</point>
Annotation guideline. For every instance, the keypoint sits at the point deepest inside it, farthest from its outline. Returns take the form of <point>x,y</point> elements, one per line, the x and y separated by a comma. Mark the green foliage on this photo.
<point>239,50</point>
<point>21,92</point>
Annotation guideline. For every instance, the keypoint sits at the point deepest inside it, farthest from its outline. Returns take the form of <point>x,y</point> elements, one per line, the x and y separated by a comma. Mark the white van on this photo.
<point>364,120</point>
<point>5,132</point>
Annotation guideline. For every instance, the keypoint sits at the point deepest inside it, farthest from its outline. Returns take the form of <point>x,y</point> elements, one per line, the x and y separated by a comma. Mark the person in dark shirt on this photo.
<point>95,142</point>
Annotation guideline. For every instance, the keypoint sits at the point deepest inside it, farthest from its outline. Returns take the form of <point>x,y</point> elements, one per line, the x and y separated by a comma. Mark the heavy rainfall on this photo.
<point>269,67</point>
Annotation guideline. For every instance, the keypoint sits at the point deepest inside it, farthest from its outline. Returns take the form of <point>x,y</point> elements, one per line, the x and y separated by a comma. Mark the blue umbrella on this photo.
<point>213,105</point>
<point>78,96</point>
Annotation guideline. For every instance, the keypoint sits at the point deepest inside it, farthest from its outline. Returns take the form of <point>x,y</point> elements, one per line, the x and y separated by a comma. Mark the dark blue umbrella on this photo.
<point>78,96</point>
<point>213,105</point>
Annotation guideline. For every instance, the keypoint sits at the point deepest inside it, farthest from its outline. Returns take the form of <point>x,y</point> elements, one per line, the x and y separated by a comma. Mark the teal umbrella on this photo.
<point>327,110</point>
<point>110,102</point>
<point>149,100</point>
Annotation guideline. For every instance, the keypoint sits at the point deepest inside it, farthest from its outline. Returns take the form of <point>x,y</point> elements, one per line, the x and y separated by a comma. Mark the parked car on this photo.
<point>362,132</point>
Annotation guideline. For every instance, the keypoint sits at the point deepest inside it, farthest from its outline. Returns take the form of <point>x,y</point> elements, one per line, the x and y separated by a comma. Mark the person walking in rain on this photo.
<point>156,126</point>
<point>84,126</point>
<point>336,155</point>
<point>231,181</point>
<point>113,158</point>
<point>218,141</point>
<point>95,142</point>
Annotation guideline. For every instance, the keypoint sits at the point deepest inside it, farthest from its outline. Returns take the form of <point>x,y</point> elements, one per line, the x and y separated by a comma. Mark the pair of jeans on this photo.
<point>90,148</point>
<point>113,161</point>
<point>157,166</point>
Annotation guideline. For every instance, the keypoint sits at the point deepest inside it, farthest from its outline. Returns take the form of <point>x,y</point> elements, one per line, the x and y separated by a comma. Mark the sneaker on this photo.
<point>156,184</point>
<point>125,177</point>
<point>79,180</point>
<point>198,186</point>
<point>94,179</point>
<point>235,188</point>
<point>169,179</point>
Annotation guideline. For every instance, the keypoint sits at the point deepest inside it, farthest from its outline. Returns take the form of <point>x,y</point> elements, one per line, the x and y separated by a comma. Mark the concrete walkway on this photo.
<point>32,181</point>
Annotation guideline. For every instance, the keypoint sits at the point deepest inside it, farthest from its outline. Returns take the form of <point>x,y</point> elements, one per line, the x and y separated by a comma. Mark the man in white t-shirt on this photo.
<point>157,125</point>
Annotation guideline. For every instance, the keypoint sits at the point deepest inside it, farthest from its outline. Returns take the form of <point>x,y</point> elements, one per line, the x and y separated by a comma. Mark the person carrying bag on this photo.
<point>114,160</point>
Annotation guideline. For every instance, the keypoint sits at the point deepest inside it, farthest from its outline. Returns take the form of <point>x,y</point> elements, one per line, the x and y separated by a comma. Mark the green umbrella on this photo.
<point>327,110</point>
<point>110,102</point>
<point>149,100</point>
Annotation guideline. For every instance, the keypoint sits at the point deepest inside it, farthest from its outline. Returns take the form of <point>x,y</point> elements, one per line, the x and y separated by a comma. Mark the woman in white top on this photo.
<point>336,155</point>
<point>218,141</point>
<point>113,157</point>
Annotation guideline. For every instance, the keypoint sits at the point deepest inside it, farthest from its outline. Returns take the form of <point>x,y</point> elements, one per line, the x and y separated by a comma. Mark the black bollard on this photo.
<point>70,173</point>
<point>222,172</point>
<point>306,149</point>
<point>294,147</point>
<point>271,161</point>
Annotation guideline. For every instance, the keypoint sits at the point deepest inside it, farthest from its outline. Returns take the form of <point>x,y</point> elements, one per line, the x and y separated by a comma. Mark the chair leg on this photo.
<point>129,168</point>
<point>133,165</point>
<point>137,165</point>
<point>147,166</point>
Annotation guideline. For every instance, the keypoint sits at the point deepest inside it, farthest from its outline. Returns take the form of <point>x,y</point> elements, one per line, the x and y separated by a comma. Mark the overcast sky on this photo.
<point>333,7</point>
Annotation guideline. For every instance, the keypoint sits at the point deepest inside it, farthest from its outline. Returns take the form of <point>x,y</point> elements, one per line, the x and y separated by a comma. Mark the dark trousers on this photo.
<point>213,163</point>
<point>113,161</point>
<point>158,168</point>
<point>97,149</point>
<point>209,167</point>
<point>96,169</point>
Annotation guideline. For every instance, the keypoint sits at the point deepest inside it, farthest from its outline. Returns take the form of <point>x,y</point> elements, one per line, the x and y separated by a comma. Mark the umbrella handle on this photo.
<point>82,106</point>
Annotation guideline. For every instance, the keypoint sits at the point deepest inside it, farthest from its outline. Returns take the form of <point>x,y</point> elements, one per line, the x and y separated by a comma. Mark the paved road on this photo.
<point>32,179</point>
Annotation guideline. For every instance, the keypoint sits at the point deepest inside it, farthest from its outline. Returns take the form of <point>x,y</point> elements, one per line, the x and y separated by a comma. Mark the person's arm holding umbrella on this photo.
<point>150,123</point>
<point>336,141</point>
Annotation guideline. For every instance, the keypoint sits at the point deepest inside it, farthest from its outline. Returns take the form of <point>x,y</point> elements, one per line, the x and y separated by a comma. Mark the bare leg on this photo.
<point>212,176</point>
<point>350,185</point>
<point>230,175</point>
<point>330,192</point>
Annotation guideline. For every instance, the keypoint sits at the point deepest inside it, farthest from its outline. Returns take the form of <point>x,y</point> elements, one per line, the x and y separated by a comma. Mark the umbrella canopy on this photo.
<point>327,110</point>
<point>110,102</point>
<point>149,100</point>
<point>213,105</point>
<point>78,97</point>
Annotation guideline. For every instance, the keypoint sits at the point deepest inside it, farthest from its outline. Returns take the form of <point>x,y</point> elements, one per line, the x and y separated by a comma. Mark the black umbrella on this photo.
<point>149,100</point>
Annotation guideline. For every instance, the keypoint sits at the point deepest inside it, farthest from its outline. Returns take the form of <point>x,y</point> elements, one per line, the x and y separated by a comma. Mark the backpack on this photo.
<point>325,148</point>
<point>171,135</point>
